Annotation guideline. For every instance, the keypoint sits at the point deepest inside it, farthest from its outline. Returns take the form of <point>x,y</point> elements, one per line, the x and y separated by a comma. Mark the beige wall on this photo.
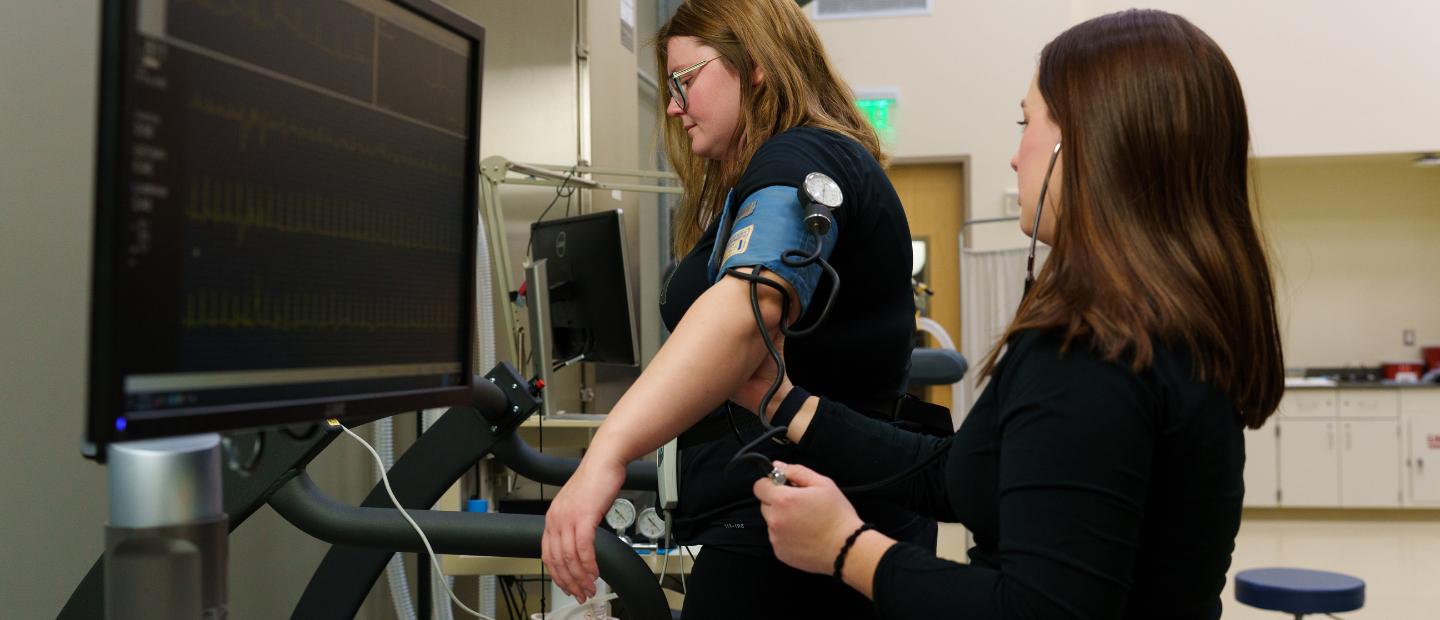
<point>1354,241</point>
<point>1322,77</point>
<point>961,73</point>
<point>51,528</point>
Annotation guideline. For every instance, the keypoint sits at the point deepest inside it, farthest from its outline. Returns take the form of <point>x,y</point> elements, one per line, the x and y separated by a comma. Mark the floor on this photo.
<point>1396,553</point>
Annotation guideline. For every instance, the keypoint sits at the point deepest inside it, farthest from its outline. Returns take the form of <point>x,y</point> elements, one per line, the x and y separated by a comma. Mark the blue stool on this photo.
<point>1299,591</point>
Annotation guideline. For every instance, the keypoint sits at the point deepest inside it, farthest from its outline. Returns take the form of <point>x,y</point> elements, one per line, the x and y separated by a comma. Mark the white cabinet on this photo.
<point>1340,448</point>
<point>1369,467</point>
<point>1420,415</point>
<point>1262,482</point>
<point>1310,404</point>
<point>1309,463</point>
<point>1369,404</point>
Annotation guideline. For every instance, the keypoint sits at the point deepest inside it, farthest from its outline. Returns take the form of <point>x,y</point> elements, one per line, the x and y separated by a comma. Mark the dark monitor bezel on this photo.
<point>105,398</point>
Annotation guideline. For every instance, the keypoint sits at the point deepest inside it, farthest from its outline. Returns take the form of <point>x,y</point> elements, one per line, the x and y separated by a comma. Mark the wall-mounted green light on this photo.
<point>880,109</point>
<point>877,111</point>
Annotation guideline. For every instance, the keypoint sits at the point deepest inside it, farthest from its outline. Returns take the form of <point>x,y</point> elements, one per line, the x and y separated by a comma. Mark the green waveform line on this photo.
<point>258,310</point>
<point>290,19</point>
<point>247,206</point>
<point>250,120</point>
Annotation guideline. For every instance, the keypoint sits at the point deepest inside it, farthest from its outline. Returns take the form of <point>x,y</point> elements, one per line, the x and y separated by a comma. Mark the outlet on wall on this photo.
<point>1409,337</point>
<point>1010,203</point>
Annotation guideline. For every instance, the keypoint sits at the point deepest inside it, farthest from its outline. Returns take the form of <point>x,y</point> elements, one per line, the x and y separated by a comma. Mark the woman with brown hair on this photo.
<point>753,108</point>
<point>1100,470</point>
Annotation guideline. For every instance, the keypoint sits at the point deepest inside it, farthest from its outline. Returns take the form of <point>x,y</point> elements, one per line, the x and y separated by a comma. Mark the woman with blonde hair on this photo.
<point>753,108</point>
<point>1100,470</point>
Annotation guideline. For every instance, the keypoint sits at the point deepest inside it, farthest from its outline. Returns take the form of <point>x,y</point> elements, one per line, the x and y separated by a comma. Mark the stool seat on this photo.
<point>1299,591</point>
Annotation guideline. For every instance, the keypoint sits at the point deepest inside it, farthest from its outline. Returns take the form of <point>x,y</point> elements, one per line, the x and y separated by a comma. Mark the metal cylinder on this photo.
<point>166,544</point>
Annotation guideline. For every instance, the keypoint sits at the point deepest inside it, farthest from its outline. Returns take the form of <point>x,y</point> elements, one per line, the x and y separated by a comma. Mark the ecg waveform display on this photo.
<point>279,216</point>
<point>259,309</point>
<point>290,19</point>
<point>248,207</point>
<point>253,128</point>
<point>420,79</point>
<point>329,43</point>
<point>337,46</point>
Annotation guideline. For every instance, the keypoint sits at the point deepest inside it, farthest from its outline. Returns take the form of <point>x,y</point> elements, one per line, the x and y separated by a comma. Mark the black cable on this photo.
<point>559,193</point>
<point>793,258</point>
<point>859,489</point>
<point>512,592</point>
<point>913,469</point>
<point>735,428</point>
<point>541,440</point>
<point>775,356</point>
<point>476,494</point>
<point>746,451</point>
<point>524,596</point>
<point>505,594</point>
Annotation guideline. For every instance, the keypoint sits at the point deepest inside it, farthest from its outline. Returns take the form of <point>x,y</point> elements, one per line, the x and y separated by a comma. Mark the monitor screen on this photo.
<point>285,213</point>
<point>585,263</point>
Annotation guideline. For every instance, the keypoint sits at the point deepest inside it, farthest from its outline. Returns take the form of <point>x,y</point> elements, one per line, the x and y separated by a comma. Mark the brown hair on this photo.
<point>1155,234</point>
<point>800,88</point>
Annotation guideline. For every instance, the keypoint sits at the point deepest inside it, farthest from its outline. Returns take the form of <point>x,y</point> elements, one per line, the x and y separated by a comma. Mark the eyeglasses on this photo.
<point>677,90</point>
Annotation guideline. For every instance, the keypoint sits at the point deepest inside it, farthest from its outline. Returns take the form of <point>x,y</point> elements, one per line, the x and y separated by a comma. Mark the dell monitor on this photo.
<point>591,318</point>
<point>285,214</point>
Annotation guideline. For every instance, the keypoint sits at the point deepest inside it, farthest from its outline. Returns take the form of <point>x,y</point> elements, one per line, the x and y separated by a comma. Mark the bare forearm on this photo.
<point>711,352</point>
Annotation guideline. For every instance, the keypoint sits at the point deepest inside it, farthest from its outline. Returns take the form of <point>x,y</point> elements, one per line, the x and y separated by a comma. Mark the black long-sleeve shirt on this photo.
<point>1093,491</point>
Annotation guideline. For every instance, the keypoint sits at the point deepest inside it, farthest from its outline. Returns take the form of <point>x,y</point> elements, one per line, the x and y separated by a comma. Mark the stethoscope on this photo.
<point>1035,229</point>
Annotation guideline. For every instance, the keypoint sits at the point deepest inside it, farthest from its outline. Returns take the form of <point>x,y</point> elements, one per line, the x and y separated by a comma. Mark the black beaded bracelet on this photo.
<point>789,406</point>
<point>849,542</point>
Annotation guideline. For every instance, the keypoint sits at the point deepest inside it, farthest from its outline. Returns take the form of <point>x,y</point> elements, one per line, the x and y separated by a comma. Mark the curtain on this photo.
<point>991,284</point>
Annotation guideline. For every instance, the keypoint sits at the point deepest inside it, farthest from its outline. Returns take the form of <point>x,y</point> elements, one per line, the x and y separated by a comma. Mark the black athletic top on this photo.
<point>859,356</point>
<point>1092,491</point>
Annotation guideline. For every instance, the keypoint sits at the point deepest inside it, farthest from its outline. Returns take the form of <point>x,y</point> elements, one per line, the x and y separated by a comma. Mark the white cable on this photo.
<point>395,568</point>
<point>684,589</point>
<point>428,549</point>
<point>665,565</point>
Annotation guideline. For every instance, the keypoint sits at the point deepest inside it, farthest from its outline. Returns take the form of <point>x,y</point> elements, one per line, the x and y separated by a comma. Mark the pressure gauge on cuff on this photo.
<point>820,195</point>
<point>820,188</point>
<point>651,525</point>
<point>621,515</point>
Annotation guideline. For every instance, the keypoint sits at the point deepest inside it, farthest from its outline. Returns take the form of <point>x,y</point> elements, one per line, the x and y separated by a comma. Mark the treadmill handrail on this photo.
<point>306,507</point>
<point>513,452</point>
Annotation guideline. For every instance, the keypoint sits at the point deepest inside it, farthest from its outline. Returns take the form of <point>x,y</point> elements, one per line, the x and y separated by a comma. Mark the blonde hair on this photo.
<point>800,88</point>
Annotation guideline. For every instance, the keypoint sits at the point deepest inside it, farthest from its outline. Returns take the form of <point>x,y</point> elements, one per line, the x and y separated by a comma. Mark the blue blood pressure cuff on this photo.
<point>760,230</point>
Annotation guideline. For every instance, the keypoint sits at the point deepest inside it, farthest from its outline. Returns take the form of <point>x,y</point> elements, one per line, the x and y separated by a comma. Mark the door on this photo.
<point>1369,464</point>
<point>934,197</point>
<point>1262,475</point>
<point>1309,463</point>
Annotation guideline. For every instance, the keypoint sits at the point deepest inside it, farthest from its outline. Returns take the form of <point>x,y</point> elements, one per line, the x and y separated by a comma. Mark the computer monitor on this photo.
<point>590,314</point>
<point>285,213</point>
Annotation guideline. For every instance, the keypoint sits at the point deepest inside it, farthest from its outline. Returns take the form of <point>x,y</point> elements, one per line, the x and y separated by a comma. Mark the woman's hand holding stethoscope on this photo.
<point>807,516</point>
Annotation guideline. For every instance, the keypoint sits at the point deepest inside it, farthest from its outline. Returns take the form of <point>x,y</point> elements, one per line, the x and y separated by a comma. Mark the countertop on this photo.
<point>1325,384</point>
